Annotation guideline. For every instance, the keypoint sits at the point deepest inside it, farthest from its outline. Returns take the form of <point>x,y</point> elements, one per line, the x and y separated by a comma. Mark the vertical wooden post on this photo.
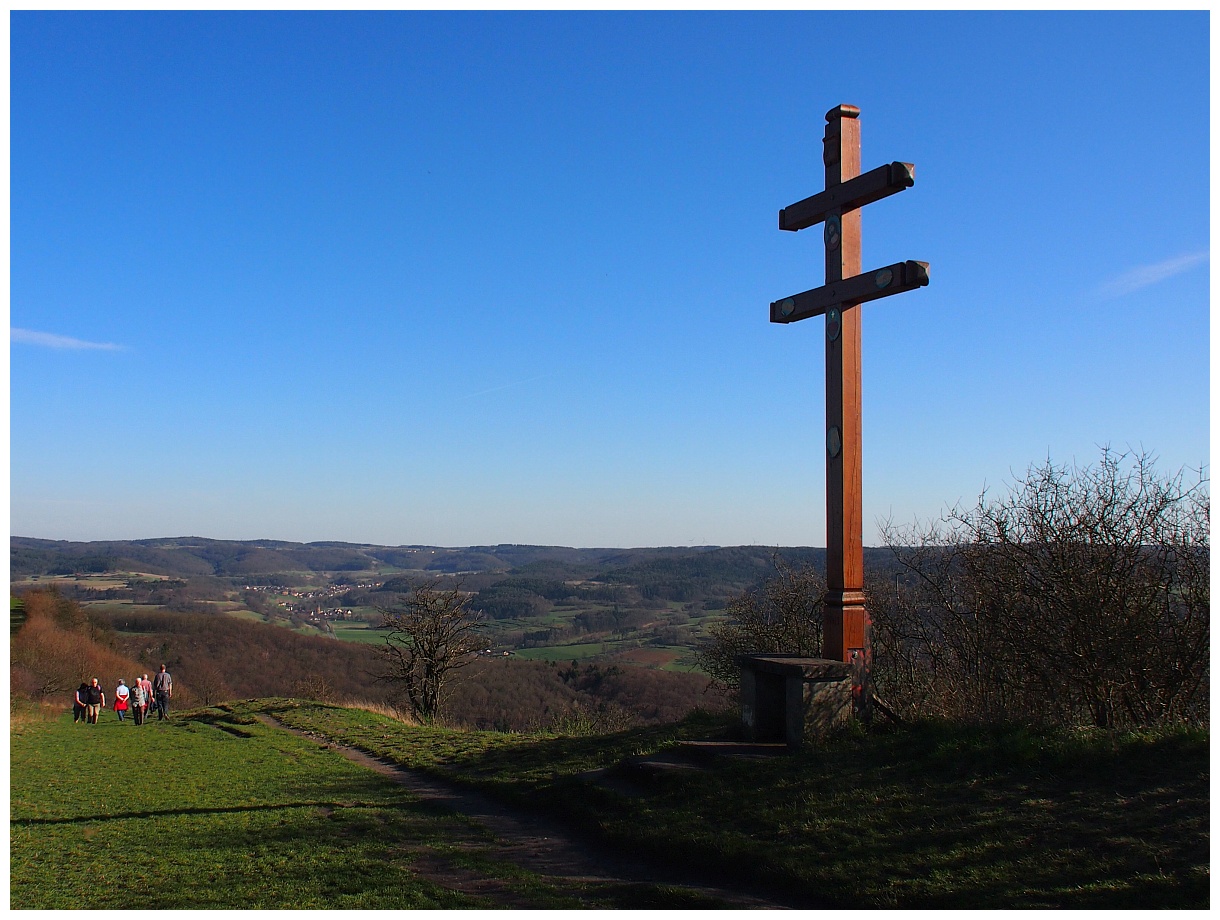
<point>846,621</point>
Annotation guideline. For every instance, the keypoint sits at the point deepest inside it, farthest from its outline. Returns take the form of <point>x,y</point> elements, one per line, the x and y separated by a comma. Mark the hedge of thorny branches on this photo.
<point>1078,597</point>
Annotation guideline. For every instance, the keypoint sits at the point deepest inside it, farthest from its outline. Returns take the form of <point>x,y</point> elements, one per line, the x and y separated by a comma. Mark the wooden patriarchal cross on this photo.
<point>846,624</point>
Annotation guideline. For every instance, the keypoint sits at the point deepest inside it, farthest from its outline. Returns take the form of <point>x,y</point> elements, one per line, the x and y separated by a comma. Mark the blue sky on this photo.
<point>470,278</point>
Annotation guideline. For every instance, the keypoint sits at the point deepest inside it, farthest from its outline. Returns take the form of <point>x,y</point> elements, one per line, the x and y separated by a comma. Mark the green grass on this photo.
<point>685,663</point>
<point>917,817</point>
<point>16,614</point>
<point>577,651</point>
<point>244,613</point>
<point>214,810</point>
<point>206,814</point>
<point>366,634</point>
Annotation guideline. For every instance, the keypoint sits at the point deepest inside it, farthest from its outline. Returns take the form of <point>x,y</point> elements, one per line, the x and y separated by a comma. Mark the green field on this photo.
<point>218,811</point>
<point>576,652</point>
<point>361,633</point>
<point>189,815</point>
<point>929,816</point>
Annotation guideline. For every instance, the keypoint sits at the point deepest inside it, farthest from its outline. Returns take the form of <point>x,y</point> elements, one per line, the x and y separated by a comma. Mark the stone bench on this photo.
<point>793,699</point>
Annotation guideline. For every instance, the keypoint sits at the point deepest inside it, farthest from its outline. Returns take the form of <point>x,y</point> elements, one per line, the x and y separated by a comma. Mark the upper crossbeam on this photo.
<point>854,193</point>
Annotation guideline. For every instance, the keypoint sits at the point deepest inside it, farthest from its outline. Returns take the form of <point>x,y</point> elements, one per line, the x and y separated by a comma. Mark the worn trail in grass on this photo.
<point>220,811</point>
<point>539,844</point>
<point>921,816</point>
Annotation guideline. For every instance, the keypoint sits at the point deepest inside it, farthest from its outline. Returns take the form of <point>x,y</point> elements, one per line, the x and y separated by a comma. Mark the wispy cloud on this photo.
<point>1148,275</point>
<point>49,340</point>
<point>515,383</point>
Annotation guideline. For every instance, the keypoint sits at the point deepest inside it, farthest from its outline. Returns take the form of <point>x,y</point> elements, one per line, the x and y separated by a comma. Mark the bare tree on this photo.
<point>432,635</point>
<point>1080,596</point>
<point>784,615</point>
<point>209,681</point>
<point>314,687</point>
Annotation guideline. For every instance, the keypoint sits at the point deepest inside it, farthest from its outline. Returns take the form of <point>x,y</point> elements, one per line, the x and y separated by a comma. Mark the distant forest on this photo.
<point>608,618</point>
<point>55,640</point>
<point>672,573</point>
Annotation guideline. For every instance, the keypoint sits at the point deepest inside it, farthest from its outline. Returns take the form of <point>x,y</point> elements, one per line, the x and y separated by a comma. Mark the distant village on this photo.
<point>309,607</point>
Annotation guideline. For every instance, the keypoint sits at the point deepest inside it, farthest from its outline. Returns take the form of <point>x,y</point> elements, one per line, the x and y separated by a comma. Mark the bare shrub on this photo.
<point>1082,595</point>
<point>782,616</point>
<point>58,646</point>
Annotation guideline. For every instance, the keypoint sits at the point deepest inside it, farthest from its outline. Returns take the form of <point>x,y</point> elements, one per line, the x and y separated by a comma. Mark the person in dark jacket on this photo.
<point>95,699</point>
<point>78,703</point>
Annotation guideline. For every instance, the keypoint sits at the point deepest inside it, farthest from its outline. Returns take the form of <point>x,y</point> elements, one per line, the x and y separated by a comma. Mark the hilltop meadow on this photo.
<point>276,690</point>
<point>254,816</point>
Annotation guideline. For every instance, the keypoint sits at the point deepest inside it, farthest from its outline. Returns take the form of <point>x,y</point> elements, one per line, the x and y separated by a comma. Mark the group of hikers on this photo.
<point>137,699</point>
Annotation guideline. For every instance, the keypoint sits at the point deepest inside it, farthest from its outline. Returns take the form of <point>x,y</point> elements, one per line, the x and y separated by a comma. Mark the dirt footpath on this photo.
<point>540,846</point>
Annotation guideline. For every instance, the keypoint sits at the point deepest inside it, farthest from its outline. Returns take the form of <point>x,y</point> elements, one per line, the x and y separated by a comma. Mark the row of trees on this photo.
<point>1081,596</point>
<point>60,643</point>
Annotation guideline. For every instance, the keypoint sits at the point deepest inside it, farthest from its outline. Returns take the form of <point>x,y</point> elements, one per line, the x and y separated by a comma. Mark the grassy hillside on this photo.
<point>919,817</point>
<point>647,607</point>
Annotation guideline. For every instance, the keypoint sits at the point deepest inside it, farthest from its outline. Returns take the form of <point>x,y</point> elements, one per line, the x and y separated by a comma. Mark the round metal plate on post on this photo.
<point>832,233</point>
<point>834,322</point>
<point>834,441</point>
<point>787,306</point>
<point>883,278</point>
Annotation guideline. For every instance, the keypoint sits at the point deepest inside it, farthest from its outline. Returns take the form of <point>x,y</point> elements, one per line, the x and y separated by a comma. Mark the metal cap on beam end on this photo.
<point>902,174</point>
<point>843,111</point>
<point>916,273</point>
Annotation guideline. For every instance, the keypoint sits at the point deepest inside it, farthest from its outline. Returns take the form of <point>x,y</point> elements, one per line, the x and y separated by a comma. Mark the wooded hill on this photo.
<point>645,606</point>
<point>671,573</point>
<point>186,556</point>
<point>216,658</point>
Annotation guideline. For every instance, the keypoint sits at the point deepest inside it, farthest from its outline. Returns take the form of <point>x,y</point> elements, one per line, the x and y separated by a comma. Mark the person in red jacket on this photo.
<point>121,695</point>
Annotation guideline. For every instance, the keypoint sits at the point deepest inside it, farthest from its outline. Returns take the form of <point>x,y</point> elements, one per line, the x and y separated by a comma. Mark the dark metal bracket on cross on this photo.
<point>846,624</point>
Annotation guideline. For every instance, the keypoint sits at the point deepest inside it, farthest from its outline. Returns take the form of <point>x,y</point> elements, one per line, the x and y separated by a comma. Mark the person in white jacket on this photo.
<point>121,696</point>
<point>139,701</point>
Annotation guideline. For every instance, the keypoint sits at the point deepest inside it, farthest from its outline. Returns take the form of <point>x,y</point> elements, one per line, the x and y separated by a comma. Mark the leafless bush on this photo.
<point>58,646</point>
<point>782,616</point>
<point>1082,595</point>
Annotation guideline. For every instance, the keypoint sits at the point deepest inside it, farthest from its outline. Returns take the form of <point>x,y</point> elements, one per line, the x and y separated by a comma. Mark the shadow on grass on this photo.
<point>186,812</point>
<point>928,815</point>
